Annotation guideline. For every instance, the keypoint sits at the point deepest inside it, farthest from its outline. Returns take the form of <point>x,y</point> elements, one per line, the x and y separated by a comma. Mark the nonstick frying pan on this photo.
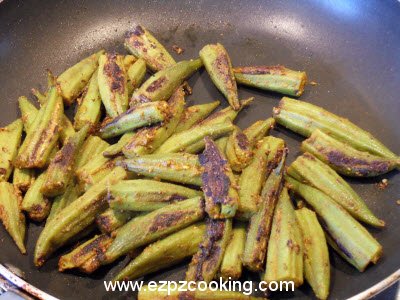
<point>349,48</point>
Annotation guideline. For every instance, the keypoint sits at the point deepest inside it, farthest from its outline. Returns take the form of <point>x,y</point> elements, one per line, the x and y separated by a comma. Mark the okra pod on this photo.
<point>23,178</point>
<point>345,159</point>
<point>219,184</point>
<point>259,228</point>
<point>147,140</point>
<point>60,202</point>
<point>316,255</point>
<point>238,150</point>
<point>285,246</point>
<point>35,203</point>
<point>129,60</point>
<point>10,214</point>
<point>164,253</point>
<point>304,118</point>
<point>310,170</point>
<point>231,265</point>
<point>112,219</point>
<point>66,129</point>
<point>176,167</point>
<point>10,140</point>
<point>75,217</point>
<point>44,133</point>
<point>91,148</point>
<point>61,169</point>
<point>145,229</point>
<point>163,84</point>
<point>88,110</point>
<point>73,80</point>
<point>272,78</point>
<point>206,262</point>
<point>352,238</point>
<point>116,149</point>
<point>221,143</point>
<point>147,195</point>
<point>28,112</point>
<point>258,130</point>
<point>136,73</point>
<point>195,114</point>
<point>86,257</point>
<point>219,67</point>
<point>112,81</point>
<point>143,114</point>
<point>142,44</point>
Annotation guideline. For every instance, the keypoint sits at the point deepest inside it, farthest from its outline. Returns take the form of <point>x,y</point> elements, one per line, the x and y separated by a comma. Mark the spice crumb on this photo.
<point>383,184</point>
<point>178,50</point>
<point>398,202</point>
<point>313,83</point>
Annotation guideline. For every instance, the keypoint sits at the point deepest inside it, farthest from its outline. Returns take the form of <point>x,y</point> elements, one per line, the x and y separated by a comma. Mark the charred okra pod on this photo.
<point>195,114</point>
<point>272,78</point>
<point>177,167</point>
<point>238,150</point>
<point>259,228</point>
<point>112,83</point>
<point>285,246</point>
<point>73,80</point>
<point>231,265</point>
<point>206,262</point>
<point>163,84</point>
<point>164,253</point>
<point>86,257</point>
<point>91,148</point>
<point>310,170</point>
<point>141,115</point>
<point>345,159</point>
<point>61,169</point>
<point>44,133</point>
<point>142,44</point>
<point>10,140</point>
<point>316,255</point>
<point>112,219</point>
<point>218,65</point>
<point>304,118</point>
<point>219,184</point>
<point>145,229</point>
<point>23,178</point>
<point>10,214</point>
<point>147,195</point>
<point>74,218</point>
<point>60,202</point>
<point>355,242</point>
<point>136,73</point>
<point>129,60</point>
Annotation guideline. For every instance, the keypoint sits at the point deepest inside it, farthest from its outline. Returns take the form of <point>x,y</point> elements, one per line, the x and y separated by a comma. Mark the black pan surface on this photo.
<point>350,48</point>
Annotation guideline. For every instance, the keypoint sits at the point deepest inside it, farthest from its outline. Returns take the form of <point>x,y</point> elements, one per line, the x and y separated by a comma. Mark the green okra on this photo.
<point>74,218</point>
<point>60,202</point>
<point>285,245</point>
<point>145,229</point>
<point>116,149</point>
<point>40,141</point>
<point>258,130</point>
<point>35,203</point>
<point>10,140</point>
<point>164,253</point>
<point>195,114</point>
<point>147,140</point>
<point>207,260</point>
<point>73,80</point>
<point>304,118</point>
<point>183,140</point>
<point>231,265</point>
<point>10,214</point>
<point>112,81</point>
<point>259,228</point>
<point>86,257</point>
<point>66,129</point>
<point>161,85</point>
<point>28,112</point>
<point>40,97</point>
<point>147,195</point>
<point>218,65</point>
<point>221,143</point>
<point>112,219</point>
<point>316,255</point>
<point>142,44</point>
<point>238,150</point>
<point>176,167</point>
<point>136,73</point>
<point>129,60</point>
<point>354,241</point>
<point>91,148</point>
<point>345,159</point>
<point>219,184</point>
<point>143,114</point>
<point>61,169</point>
<point>272,78</point>
<point>23,178</point>
<point>310,170</point>
<point>267,155</point>
<point>88,109</point>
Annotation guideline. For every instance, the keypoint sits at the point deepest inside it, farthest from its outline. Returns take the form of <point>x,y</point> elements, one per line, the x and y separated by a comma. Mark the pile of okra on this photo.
<point>185,182</point>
